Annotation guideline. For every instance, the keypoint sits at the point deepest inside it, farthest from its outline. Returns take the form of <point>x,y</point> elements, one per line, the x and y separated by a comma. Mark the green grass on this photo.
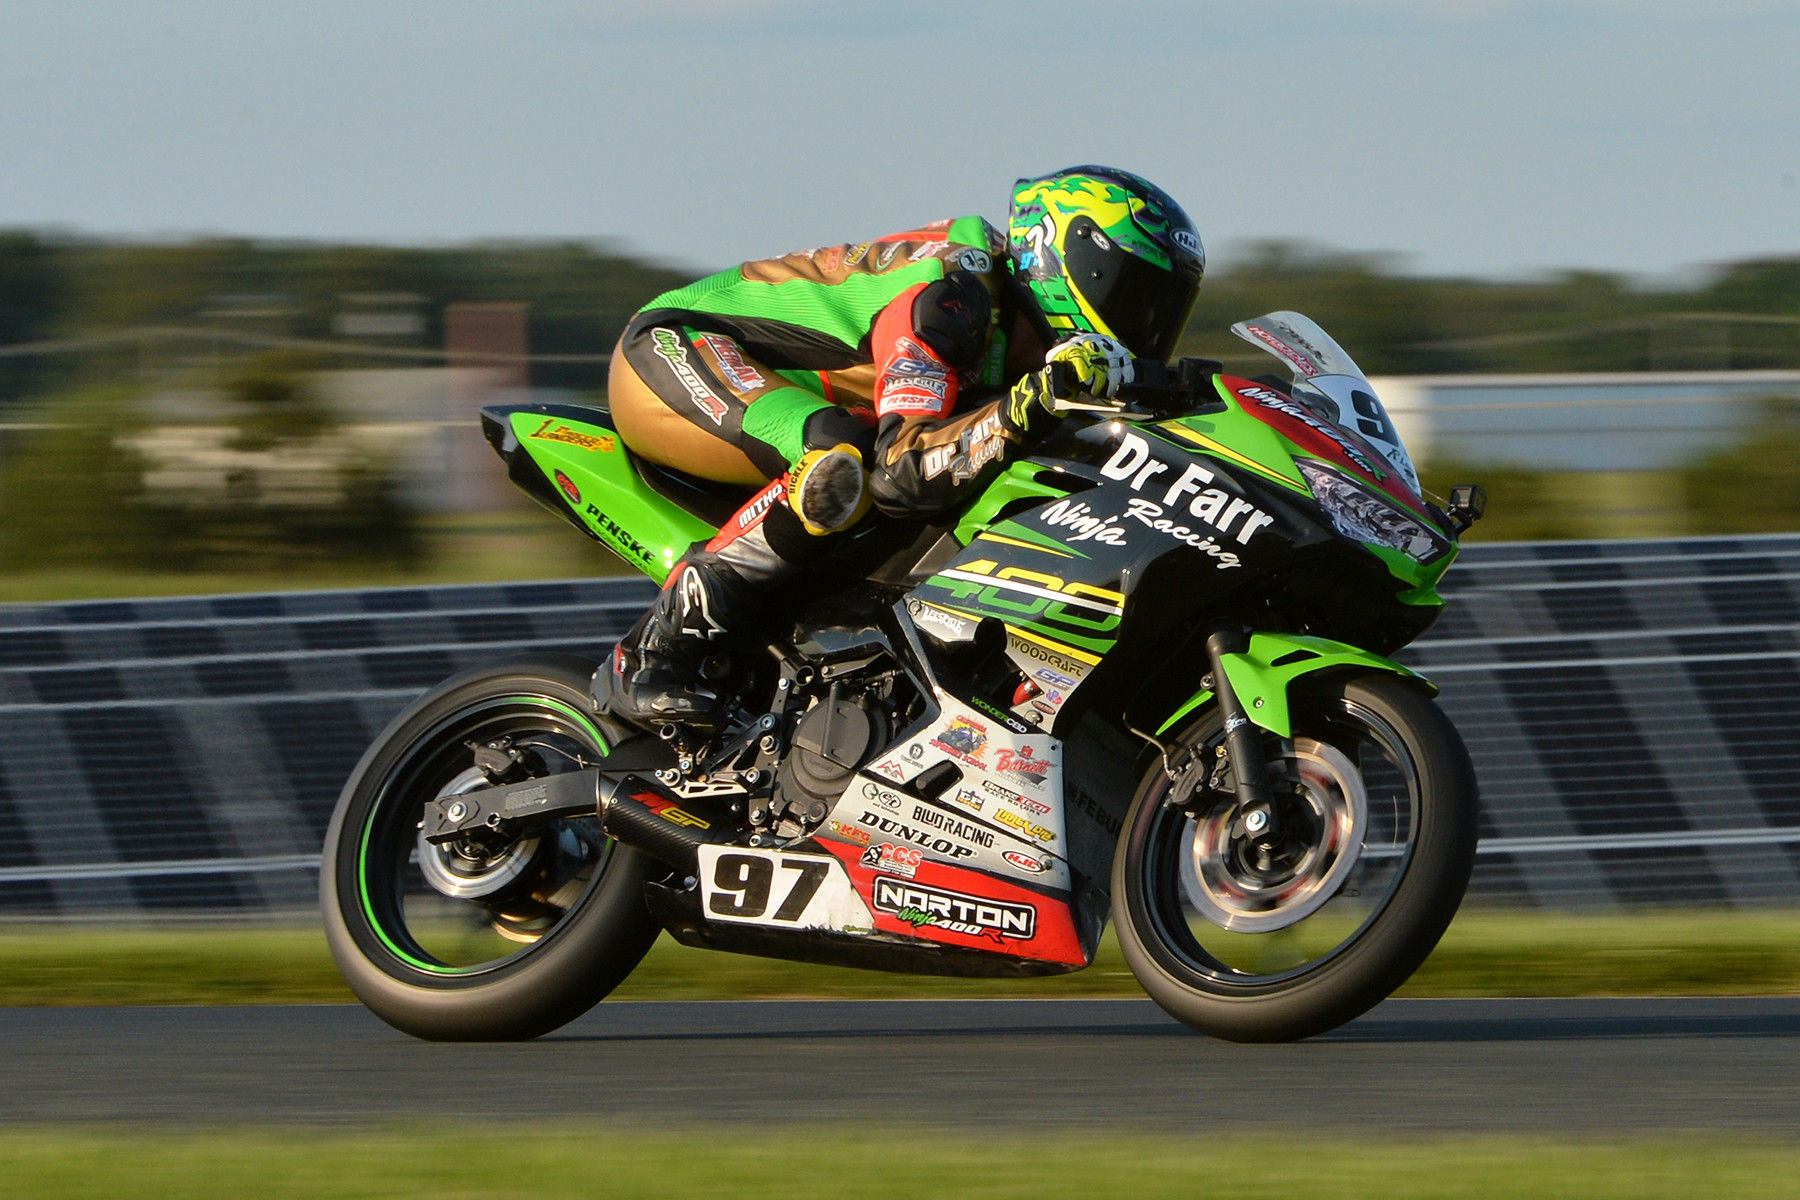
<point>854,1163</point>
<point>502,547</point>
<point>1485,954</point>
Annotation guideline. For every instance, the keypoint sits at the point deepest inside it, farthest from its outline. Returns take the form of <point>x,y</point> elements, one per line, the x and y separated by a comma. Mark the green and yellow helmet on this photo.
<point>1105,251</point>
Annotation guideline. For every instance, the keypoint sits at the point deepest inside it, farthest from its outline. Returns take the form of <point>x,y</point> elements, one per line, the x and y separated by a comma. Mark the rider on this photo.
<point>897,372</point>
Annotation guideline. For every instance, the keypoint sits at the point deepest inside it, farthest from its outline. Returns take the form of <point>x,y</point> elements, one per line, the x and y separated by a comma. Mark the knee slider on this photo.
<point>829,489</point>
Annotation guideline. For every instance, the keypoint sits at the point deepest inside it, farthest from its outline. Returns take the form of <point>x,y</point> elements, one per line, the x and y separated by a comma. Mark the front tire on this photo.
<point>1259,943</point>
<point>487,938</point>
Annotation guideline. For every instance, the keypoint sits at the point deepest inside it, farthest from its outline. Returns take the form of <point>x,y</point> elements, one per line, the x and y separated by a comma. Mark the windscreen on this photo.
<point>1330,383</point>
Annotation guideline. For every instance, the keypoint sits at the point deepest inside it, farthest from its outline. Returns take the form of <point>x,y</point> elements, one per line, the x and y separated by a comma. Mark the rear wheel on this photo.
<point>1259,931</point>
<point>491,936</point>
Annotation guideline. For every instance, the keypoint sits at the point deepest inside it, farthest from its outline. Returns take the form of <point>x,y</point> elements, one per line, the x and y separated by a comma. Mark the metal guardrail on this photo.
<point>1633,709</point>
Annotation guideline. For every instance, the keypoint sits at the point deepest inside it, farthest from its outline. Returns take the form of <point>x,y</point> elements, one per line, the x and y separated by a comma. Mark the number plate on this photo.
<point>775,887</point>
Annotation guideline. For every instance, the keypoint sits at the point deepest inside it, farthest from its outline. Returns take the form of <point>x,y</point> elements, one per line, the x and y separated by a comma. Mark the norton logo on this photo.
<point>943,909</point>
<point>568,488</point>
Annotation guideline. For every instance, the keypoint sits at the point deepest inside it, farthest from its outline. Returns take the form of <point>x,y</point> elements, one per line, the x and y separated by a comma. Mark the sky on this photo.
<point>1489,138</point>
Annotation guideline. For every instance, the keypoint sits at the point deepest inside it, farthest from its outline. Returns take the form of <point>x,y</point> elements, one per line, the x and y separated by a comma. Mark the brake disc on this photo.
<point>1238,885</point>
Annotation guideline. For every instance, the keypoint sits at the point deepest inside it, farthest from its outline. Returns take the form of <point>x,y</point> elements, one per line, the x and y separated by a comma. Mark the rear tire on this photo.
<point>481,941</point>
<point>1286,945</point>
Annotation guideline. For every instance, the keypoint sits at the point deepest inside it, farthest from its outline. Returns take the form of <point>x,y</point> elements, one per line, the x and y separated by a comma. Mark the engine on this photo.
<point>838,734</point>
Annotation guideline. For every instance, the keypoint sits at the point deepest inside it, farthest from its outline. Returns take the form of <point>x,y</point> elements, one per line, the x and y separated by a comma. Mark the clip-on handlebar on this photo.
<point>1157,389</point>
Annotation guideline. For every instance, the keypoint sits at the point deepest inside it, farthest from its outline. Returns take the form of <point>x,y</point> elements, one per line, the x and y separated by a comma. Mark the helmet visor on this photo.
<point>1143,305</point>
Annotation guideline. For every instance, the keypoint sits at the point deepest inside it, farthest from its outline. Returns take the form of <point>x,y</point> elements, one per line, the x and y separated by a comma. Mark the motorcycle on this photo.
<point>1142,674</point>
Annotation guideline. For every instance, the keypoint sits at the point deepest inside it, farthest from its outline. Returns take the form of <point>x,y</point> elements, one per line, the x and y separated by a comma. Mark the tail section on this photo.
<point>570,459</point>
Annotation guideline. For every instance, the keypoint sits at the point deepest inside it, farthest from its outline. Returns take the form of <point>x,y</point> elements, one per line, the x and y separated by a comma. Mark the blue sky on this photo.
<point>1485,137</point>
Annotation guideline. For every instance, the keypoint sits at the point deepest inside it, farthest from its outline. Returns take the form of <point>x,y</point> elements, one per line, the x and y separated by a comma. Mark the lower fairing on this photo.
<point>682,915</point>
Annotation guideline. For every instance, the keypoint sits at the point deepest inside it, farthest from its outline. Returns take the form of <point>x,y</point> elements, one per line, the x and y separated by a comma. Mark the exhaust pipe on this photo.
<point>637,814</point>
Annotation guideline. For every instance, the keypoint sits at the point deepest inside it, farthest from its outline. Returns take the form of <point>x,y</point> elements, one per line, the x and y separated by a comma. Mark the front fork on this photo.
<point>1243,743</point>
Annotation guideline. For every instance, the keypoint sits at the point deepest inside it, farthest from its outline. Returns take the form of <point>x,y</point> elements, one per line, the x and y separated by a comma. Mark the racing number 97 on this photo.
<point>743,883</point>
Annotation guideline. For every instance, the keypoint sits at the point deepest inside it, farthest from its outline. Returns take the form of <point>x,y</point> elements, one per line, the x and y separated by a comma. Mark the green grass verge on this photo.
<point>502,547</point>
<point>620,1164</point>
<point>1484,954</point>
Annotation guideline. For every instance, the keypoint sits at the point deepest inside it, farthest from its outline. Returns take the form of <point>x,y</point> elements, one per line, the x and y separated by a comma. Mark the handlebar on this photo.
<point>1172,389</point>
<point>1157,389</point>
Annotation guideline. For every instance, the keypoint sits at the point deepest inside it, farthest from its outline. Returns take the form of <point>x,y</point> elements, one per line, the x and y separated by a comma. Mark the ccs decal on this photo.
<point>901,860</point>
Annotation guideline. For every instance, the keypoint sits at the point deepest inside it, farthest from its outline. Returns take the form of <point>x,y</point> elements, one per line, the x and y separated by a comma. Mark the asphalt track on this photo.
<point>1411,1066</point>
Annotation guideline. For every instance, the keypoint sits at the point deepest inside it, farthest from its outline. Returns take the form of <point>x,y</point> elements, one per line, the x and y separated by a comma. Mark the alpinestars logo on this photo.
<point>694,607</point>
<point>940,908</point>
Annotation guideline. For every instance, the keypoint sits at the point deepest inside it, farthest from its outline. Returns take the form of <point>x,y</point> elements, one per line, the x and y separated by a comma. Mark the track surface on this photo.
<point>1410,1066</point>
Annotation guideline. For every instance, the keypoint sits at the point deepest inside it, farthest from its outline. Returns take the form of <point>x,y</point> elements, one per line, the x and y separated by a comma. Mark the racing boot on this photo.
<point>655,677</point>
<point>656,667</point>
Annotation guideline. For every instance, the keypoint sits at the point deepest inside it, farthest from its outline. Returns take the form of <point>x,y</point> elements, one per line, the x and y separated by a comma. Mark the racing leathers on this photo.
<point>836,377</point>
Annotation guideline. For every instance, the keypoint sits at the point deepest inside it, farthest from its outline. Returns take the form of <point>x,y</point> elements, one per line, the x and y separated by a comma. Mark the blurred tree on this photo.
<point>1751,487</point>
<point>67,486</point>
<point>32,294</point>
<point>271,483</point>
<point>1765,285</point>
<point>1523,504</point>
<point>273,403</point>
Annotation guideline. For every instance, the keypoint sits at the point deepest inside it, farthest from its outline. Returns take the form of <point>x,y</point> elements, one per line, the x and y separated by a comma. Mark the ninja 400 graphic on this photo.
<point>1140,676</point>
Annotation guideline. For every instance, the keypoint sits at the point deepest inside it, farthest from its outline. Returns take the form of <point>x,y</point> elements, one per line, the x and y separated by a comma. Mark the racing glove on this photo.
<point>1088,364</point>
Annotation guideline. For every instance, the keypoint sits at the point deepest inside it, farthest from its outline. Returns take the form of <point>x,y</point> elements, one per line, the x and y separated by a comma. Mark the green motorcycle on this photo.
<point>1141,675</point>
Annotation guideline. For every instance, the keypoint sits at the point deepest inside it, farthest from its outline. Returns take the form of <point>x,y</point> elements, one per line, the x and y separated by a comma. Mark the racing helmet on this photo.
<point>1105,251</point>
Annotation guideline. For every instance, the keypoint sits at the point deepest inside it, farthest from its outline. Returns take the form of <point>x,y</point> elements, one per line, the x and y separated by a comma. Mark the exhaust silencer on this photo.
<point>637,814</point>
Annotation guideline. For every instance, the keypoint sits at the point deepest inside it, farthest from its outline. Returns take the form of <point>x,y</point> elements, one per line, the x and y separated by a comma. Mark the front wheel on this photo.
<point>1262,933</point>
<point>492,936</point>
